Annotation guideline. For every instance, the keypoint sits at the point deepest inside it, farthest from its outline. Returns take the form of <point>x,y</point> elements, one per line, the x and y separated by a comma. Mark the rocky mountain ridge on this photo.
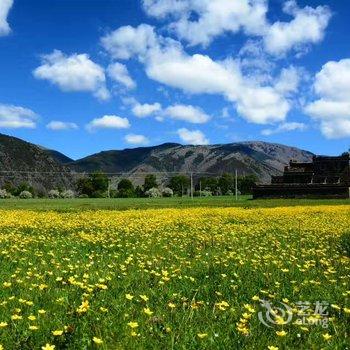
<point>21,161</point>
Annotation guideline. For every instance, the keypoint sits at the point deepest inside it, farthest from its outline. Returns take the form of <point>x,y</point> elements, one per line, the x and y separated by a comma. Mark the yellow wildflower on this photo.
<point>48,347</point>
<point>16,317</point>
<point>144,297</point>
<point>202,335</point>
<point>326,336</point>
<point>57,333</point>
<point>147,311</point>
<point>133,325</point>
<point>281,333</point>
<point>97,341</point>
<point>129,296</point>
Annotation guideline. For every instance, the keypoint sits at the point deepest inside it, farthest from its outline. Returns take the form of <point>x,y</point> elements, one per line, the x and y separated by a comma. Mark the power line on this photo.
<point>112,174</point>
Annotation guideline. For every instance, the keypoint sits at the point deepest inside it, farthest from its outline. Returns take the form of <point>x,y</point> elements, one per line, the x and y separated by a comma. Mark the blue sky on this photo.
<point>84,76</point>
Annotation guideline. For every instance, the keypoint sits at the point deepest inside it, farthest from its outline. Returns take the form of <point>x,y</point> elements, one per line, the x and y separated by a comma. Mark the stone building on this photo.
<point>325,177</point>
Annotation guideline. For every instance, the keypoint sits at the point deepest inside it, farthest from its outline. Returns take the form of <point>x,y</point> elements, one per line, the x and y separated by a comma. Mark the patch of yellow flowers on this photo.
<point>171,277</point>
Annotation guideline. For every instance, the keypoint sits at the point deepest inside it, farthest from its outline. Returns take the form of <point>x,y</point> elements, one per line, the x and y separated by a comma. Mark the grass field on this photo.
<point>155,203</point>
<point>190,278</point>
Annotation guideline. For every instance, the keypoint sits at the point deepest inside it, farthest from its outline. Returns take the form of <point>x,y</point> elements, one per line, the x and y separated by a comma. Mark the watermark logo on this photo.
<point>275,315</point>
<point>306,314</point>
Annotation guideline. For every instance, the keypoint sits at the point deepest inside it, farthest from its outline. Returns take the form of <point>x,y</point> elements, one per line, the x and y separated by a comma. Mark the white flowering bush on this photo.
<point>25,195</point>
<point>4,194</point>
<point>168,192</point>
<point>153,193</point>
<point>68,194</point>
<point>53,194</point>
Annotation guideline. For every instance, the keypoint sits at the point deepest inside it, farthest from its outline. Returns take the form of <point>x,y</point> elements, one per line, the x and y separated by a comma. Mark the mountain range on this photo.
<point>46,169</point>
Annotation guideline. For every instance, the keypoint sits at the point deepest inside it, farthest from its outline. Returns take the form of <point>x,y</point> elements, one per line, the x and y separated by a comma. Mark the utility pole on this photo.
<point>236,185</point>
<point>192,185</point>
<point>200,188</point>
<point>109,188</point>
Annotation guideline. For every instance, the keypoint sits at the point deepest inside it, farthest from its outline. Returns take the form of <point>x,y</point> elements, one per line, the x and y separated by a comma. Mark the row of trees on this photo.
<point>26,191</point>
<point>15,191</point>
<point>97,185</point>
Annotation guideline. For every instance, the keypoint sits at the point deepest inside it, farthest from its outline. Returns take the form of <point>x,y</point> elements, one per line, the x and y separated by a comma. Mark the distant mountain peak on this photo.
<point>249,157</point>
<point>22,161</point>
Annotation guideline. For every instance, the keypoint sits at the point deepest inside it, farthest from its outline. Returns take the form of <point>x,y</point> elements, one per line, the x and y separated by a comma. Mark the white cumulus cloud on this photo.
<point>192,137</point>
<point>15,117</point>
<point>307,27</point>
<point>166,62</point>
<point>145,110</point>
<point>338,130</point>
<point>332,108</point>
<point>128,41</point>
<point>289,80</point>
<point>57,125</point>
<point>5,7</point>
<point>120,74</point>
<point>76,72</point>
<point>285,127</point>
<point>216,17</point>
<point>108,122</point>
<point>187,113</point>
<point>134,139</point>
<point>162,8</point>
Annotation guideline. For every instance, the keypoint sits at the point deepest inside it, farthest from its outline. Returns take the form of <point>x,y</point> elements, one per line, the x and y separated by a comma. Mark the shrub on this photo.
<point>23,187</point>
<point>125,189</point>
<point>209,184</point>
<point>113,193</point>
<point>25,195</point>
<point>150,182</point>
<point>139,192</point>
<point>83,196</point>
<point>205,193</point>
<point>95,185</point>
<point>53,194</point>
<point>126,193</point>
<point>125,184</point>
<point>68,194</point>
<point>99,194</point>
<point>179,184</point>
<point>41,193</point>
<point>4,194</point>
<point>167,192</point>
<point>9,187</point>
<point>153,193</point>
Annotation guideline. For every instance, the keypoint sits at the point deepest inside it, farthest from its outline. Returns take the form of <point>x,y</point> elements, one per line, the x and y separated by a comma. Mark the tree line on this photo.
<point>96,185</point>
